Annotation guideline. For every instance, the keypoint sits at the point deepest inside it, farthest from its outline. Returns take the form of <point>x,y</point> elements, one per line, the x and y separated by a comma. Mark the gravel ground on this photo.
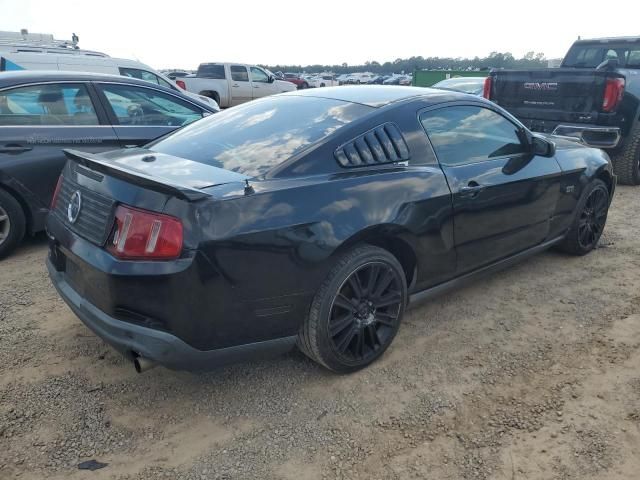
<point>532,373</point>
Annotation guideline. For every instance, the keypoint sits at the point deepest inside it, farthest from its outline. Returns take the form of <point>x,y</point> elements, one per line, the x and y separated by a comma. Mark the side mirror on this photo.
<point>272,79</point>
<point>542,147</point>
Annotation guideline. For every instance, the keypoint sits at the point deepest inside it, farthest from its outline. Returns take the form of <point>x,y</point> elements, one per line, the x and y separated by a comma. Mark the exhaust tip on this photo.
<point>142,364</point>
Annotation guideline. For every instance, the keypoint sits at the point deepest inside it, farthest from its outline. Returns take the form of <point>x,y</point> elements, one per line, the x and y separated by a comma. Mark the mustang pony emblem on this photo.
<point>75,204</point>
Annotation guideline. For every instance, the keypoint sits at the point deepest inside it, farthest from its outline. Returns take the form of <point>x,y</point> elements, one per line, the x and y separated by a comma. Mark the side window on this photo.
<point>50,104</point>
<point>239,73</point>
<point>633,59</point>
<point>144,75</point>
<point>163,83</point>
<point>212,71</point>
<point>466,134</point>
<point>611,55</point>
<point>139,74</point>
<point>259,75</point>
<point>145,106</point>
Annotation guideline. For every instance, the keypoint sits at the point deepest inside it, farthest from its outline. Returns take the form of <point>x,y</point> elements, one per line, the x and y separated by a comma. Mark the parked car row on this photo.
<point>328,79</point>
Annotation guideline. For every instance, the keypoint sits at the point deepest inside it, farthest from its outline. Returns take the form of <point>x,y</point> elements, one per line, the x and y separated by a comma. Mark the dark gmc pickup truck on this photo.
<point>594,97</point>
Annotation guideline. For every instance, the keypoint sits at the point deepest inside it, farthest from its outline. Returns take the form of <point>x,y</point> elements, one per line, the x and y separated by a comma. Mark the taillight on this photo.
<point>486,89</point>
<point>181,84</point>
<point>613,92</point>
<point>54,199</point>
<point>144,235</point>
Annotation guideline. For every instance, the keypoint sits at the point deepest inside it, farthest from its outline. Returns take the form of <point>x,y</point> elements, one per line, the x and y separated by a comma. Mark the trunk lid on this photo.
<point>94,185</point>
<point>159,172</point>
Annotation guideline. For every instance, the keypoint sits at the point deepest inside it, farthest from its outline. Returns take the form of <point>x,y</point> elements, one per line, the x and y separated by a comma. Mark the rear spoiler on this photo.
<point>92,162</point>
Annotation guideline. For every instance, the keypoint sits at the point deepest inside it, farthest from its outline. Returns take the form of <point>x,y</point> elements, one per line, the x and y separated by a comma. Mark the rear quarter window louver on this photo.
<point>380,145</point>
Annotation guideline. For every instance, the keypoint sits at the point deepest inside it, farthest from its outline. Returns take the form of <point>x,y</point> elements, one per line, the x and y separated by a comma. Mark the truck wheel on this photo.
<point>590,219</point>
<point>626,164</point>
<point>356,312</point>
<point>12,223</point>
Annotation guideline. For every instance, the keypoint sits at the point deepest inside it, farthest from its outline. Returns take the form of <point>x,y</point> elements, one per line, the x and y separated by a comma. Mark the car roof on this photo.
<point>604,40</point>
<point>379,95</point>
<point>462,80</point>
<point>9,79</point>
<point>22,77</point>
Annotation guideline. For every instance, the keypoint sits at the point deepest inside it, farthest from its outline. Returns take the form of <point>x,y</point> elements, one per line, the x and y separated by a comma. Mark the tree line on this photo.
<point>407,65</point>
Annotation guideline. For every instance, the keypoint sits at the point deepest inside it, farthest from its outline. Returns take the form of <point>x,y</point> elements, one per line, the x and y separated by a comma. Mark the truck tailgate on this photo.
<point>555,94</point>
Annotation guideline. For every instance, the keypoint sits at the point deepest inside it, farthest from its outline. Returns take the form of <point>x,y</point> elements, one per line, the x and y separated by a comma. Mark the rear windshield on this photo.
<point>255,137</point>
<point>590,56</point>
<point>211,71</point>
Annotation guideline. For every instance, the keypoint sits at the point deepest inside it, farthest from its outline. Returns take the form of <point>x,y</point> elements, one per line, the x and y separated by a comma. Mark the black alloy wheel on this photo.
<point>357,310</point>
<point>365,311</point>
<point>589,220</point>
<point>592,218</point>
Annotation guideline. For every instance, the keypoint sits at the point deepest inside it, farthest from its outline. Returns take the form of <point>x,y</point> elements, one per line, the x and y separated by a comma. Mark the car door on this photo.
<point>37,122</point>
<point>503,196</point>
<point>241,89</point>
<point>140,114</point>
<point>260,83</point>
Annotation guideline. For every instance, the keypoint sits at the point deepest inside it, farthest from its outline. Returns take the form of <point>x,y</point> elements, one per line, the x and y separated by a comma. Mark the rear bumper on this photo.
<point>591,135</point>
<point>161,347</point>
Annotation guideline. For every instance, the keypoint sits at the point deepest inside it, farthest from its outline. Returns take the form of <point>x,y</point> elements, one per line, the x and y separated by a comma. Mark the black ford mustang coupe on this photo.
<point>310,218</point>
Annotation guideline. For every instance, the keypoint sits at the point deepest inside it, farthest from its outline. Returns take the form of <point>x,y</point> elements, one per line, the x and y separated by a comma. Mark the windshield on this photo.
<point>259,135</point>
<point>590,56</point>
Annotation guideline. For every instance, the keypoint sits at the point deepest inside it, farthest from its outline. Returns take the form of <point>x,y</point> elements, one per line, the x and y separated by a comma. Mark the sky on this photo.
<point>182,34</point>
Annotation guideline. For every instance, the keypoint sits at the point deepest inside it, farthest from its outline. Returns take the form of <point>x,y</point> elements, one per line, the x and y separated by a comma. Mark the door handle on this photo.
<point>14,148</point>
<point>472,189</point>
<point>235,86</point>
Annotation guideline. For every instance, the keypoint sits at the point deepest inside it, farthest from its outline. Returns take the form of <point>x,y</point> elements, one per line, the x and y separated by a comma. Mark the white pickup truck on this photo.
<point>231,84</point>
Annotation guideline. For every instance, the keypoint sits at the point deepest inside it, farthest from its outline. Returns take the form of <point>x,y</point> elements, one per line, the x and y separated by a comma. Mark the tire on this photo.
<point>304,85</point>
<point>356,312</point>
<point>12,223</point>
<point>626,163</point>
<point>589,221</point>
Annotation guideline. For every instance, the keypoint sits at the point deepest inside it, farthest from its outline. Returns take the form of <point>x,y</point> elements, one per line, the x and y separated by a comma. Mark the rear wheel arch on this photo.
<point>211,94</point>
<point>391,241</point>
<point>606,177</point>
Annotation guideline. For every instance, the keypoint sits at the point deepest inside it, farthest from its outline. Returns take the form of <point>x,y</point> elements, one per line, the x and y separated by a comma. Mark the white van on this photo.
<point>25,51</point>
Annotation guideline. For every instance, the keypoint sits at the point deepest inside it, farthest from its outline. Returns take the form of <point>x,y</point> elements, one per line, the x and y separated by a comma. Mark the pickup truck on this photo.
<point>231,84</point>
<point>594,97</point>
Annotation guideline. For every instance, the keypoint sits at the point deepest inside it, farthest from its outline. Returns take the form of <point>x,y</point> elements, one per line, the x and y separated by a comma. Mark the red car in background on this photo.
<point>301,83</point>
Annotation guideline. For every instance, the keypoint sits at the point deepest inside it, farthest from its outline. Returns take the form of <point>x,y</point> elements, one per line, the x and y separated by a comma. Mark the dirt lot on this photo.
<point>533,373</point>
